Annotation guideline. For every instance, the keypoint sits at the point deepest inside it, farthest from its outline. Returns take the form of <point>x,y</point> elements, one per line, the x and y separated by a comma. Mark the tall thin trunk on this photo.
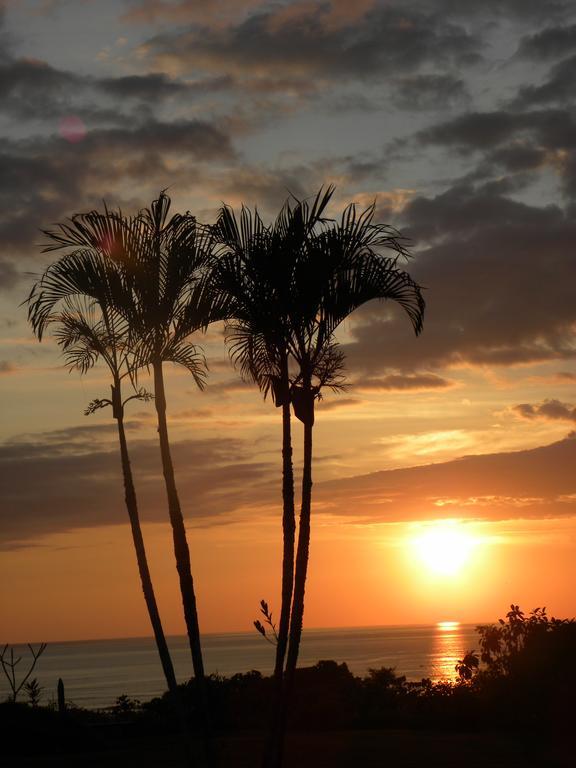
<point>182,555</point>
<point>181,550</point>
<point>146,581</point>
<point>288,536</point>
<point>301,570</point>
<point>302,554</point>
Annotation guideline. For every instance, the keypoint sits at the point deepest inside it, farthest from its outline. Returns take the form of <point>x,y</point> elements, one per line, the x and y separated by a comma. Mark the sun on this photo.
<point>444,547</point>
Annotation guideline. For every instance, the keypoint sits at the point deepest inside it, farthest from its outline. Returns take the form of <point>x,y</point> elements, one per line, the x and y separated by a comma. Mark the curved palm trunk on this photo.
<point>181,550</point>
<point>182,555</point>
<point>145,579</point>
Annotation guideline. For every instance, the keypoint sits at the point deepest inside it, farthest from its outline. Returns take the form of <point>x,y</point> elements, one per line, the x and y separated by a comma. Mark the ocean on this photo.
<point>96,672</point>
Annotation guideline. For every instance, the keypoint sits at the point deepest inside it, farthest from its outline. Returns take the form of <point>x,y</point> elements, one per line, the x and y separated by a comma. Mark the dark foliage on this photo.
<point>527,673</point>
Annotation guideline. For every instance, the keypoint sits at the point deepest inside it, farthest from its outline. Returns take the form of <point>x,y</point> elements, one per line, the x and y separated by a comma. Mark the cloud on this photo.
<point>533,10</point>
<point>477,131</point>
<point>9,276</point>
<point>558,88</point>
<point>6,367</point>
<point>186,11</point>
<point>428,92</point>
<point>403,382</point>
<point>69,479</point>
<point>218,13</point>
<point>535,483</point>
<point>335,405</point>
<point>230,386</point>
<point>552,410</point>
<point>158,86</point>
<point>45,180</point>
<point>302,41</point>
<point>29,87</point>
<point>492,299</point>
<point>33,90</point>
<point>77,484</point>
<point>549,43</point>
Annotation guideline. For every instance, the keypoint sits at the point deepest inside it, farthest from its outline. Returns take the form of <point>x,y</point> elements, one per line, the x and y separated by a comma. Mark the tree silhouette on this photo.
<point>9,664</point>
<point>88,328</point>
<point>292,284</point>
<point>340,269</point>
<point>160,293</point>
<point>253,275</point>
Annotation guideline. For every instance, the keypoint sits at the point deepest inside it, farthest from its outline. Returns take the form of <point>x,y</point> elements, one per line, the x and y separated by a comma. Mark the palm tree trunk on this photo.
<point>147,588</point>
<point>288,535</point>
<point>181,550</point>
<point>302,555</point>
<point>301,570</point>
<point>288,530</point>
<point>182,555</point>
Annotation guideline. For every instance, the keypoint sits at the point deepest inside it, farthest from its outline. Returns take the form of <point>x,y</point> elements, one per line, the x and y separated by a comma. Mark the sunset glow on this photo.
<point>444,471</point>
<point>444,548</point>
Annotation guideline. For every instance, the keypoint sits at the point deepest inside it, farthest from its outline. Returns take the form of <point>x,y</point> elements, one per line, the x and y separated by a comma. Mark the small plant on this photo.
<point>124,704</point>
<point>33,691</point>
<point>9,667</point>
<point>267,613</point>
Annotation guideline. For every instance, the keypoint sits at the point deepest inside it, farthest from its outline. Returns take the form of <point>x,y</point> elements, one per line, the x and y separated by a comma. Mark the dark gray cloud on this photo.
<point>514,158</point>
<point>568,171</point>
<point>481,131</point>
<point>559,87</point>
<point>429,92</point>
<point>157,85</point>
<point>535,483</point>
<point>552,410</point>
<point>532,10</point>
<point>507,143</point>
<point>46,180</point>
<point>69,480</point>
<point>301,42</point>
<point>492,297</point>
<point>549,43</point>
<point>34,90</point>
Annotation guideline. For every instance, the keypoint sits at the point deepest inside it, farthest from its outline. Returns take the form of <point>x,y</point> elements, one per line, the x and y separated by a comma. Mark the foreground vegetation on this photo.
<point>512,705</point>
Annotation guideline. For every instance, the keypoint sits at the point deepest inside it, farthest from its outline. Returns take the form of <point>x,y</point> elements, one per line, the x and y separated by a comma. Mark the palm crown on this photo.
<point>292,283</point>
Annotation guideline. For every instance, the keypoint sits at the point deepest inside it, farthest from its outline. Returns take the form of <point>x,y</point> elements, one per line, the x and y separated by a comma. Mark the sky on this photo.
<point>458,120</point>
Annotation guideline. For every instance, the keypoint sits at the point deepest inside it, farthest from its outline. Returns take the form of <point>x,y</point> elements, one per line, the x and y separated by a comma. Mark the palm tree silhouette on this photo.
<point>88,330</point>
<point>340,269</point>
<point>253,273</point>
<point>161,263</point>
<point>292,284</point>
<point>164,258</point>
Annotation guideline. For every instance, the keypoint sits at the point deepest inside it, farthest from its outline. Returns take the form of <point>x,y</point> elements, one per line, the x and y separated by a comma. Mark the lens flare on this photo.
<point>72,129</point>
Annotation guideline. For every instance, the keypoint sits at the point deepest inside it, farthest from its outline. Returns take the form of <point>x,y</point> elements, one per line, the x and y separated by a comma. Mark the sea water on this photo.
<point>96,672</point>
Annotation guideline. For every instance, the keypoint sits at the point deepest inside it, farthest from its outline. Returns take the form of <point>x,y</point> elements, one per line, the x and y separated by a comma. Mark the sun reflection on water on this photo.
<point>448,648</point>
